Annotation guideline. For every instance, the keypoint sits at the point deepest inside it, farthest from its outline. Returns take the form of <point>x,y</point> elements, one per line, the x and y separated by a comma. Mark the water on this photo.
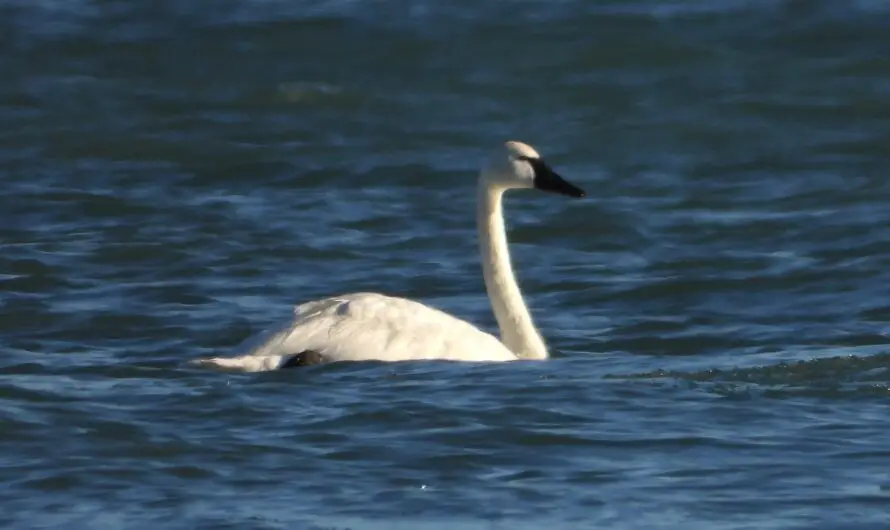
<point>178,174</point>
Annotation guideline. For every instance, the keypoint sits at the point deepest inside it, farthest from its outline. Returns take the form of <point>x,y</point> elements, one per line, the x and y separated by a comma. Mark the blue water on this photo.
<point>178,175</point>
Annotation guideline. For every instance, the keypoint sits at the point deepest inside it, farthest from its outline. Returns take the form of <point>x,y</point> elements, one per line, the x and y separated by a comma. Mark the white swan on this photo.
<point>369,326</point>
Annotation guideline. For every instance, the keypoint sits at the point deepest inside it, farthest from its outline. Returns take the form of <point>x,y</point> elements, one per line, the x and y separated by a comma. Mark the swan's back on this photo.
<point>366,326</point>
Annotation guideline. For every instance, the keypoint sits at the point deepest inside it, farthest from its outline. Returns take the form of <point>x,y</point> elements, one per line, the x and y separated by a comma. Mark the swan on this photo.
<point>371,326</point>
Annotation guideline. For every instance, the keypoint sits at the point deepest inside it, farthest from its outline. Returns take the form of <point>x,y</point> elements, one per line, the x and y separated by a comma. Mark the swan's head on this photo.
<point>517,166</point>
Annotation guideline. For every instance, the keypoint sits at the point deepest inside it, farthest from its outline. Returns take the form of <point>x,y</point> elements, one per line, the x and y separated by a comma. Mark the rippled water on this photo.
<point>178,174</point>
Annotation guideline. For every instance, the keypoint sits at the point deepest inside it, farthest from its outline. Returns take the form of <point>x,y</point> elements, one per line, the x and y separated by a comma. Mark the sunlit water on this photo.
<point>177,175</point>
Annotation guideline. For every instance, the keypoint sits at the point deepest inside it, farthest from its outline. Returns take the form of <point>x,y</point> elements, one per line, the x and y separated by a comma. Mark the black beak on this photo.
<point>547,180</point>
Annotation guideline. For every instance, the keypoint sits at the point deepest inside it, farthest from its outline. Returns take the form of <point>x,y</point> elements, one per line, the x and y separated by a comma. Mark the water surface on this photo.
<point>178,175</point>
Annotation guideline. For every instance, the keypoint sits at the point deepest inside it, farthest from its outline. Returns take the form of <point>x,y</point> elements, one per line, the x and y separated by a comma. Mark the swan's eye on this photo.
<point>538,166</point>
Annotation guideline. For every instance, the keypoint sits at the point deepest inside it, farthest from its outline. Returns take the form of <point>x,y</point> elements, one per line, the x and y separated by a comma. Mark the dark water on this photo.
<point>176,175</point>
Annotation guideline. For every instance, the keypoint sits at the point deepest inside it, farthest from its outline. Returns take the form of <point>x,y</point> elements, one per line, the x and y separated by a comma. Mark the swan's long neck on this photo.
<point>518,333</point>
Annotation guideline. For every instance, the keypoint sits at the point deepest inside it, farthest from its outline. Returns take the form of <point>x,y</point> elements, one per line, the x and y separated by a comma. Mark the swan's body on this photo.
<point>370,326</point>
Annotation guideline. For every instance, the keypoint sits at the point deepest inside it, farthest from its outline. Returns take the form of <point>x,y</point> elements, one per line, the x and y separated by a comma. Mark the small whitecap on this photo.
<point>304,91</point>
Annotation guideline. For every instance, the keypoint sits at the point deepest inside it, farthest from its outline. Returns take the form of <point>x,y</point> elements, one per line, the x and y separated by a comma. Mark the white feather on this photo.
<point>370,326</point>
<point>364,327</point>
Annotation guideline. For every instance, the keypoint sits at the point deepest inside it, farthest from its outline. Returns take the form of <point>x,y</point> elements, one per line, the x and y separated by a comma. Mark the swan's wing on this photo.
<point>366,326</point>
<point>272,340</point>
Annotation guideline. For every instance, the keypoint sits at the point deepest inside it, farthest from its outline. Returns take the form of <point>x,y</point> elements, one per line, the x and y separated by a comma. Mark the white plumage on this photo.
<point>370,326</point>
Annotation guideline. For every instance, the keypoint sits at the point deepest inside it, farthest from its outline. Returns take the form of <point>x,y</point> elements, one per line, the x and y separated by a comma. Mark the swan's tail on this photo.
<point>244,363</point>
